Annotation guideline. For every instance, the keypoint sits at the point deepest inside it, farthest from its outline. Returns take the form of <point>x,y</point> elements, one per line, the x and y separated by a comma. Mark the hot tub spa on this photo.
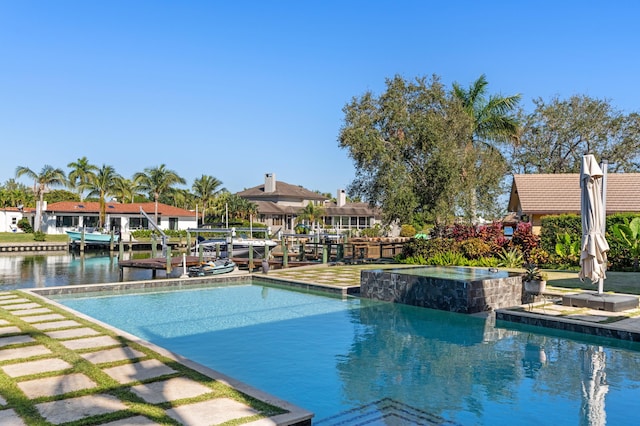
<point>447,288</point>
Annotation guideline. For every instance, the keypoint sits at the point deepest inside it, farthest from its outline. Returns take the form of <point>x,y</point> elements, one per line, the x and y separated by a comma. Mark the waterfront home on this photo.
<point>123,218</point>
<point>534,196</point>
<point>279,204</point>
<point>10,216</point>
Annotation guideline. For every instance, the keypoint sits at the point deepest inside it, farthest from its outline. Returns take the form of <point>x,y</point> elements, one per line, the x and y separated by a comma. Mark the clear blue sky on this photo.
<point>237,89</point>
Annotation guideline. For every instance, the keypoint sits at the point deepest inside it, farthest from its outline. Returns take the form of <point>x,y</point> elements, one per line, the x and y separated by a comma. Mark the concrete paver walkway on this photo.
<point>47,353</point>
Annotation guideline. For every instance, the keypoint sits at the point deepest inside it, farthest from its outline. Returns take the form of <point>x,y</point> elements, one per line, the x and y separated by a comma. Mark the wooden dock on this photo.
<point>157,263</point>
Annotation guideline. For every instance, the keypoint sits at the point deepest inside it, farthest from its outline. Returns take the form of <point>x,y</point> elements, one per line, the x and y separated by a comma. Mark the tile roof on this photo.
<point>283,189</point>
<point>130,208</point>
<point>560,193</point>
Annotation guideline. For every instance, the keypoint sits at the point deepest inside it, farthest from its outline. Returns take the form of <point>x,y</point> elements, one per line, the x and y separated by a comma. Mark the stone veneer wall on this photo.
<point>444,294</point>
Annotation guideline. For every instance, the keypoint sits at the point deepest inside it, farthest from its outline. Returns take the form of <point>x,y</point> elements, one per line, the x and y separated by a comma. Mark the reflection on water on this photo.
<point>352,359</point>
<point>37,270</point>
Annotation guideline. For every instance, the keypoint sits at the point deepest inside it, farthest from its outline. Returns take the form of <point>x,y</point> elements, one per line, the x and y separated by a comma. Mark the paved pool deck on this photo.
<point>59,366</point>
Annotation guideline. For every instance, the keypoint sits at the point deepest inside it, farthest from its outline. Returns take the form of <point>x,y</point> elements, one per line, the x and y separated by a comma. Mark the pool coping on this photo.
<point>295,415</point>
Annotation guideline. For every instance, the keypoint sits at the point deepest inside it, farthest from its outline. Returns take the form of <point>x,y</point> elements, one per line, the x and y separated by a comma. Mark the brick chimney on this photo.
<point>341,198</point>
<point>269,182</point>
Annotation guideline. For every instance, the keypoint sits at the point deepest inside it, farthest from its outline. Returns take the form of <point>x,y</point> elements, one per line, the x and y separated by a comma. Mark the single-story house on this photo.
<point>10,216</point>
<point>279,204</point>
<point>534,196</point>
<point>123,218</point>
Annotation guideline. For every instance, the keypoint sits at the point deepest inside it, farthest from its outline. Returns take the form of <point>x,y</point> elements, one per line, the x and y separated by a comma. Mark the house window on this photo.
<point>354,221</point>
<point>173,223</point>
<point>138,223</point>
<point>14,220</point>
<point>364,222</point>
<point>277,220</point>
<point>90,221</point>
<point>67,221</point>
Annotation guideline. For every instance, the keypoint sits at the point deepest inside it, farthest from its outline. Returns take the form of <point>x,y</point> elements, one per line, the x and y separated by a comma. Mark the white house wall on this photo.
<point>7,219</point>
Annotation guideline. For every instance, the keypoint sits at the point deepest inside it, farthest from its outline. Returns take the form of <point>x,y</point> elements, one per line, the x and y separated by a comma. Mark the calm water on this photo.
<point>28,271</point>
<point>452,272</point>
<point>346,359</point>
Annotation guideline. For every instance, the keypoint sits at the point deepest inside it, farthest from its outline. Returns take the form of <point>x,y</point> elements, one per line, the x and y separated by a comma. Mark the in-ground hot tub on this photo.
<point>448,288</point>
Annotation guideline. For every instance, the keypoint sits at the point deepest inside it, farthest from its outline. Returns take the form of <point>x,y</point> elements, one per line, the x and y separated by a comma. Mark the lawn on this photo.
<point>21,237</point>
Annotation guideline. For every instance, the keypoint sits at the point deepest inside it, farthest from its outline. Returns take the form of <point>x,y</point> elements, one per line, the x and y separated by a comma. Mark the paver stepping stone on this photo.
<point>9,330</point>
<point>71,409</point>
<point>4,296</point>
<point>111,355</point>
<point>4,322</point>
<point>22,312</point>
<point>35,367</point>
<point>3,401</point>
<point>21,306</point>
<point>210,412</point>
<point>56,324</point>
<point>57,385</point>
<point>14,300</point>
<point>41,318</point>
<point>138,371</point>
<point>23,352</point>
<point>133,421</point>
<point>90,342</point>
<point>170,390</point>
<point>10,418</point>
<point>72,332</point>
<point>12,340</point>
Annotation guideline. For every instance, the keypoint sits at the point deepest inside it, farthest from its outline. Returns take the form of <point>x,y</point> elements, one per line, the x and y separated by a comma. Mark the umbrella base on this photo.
<point>602,302</point>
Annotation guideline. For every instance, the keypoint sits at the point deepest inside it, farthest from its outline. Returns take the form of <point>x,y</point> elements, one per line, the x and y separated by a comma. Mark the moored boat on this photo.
<point>212,267</point>
<point>91,237</point>
<point>241,247</point>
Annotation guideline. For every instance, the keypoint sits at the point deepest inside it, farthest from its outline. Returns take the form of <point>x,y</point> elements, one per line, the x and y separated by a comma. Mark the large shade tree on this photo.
<point>48,177</point>
<point>102,185</point>
<point>157,181</point>
<point>559,132</point>
<point>409,146</point>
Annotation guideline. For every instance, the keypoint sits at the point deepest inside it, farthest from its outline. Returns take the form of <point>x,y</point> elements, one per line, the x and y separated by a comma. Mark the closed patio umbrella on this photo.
<point>593,257</point>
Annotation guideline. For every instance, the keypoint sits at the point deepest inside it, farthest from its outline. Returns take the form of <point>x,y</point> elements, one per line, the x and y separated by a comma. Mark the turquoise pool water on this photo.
<point>452,272</point>
<point>358,361</point>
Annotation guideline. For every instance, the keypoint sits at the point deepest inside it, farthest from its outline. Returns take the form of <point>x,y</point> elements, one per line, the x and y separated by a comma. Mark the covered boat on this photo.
<point>212,267</point>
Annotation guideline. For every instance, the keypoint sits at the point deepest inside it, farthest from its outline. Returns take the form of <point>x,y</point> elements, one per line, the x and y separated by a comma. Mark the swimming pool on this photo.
<point>356,361</point>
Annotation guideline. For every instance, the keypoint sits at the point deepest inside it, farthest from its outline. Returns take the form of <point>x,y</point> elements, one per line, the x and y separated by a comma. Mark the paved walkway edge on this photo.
<point>295,415</point>
<point>567,324</point>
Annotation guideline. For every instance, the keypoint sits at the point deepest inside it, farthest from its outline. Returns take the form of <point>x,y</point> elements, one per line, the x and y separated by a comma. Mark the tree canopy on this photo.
<point>412,152</point>
<point>558,133</point>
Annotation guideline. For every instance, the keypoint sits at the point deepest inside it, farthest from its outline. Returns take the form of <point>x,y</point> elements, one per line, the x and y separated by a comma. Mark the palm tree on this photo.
<point>312,214</point>
<point>102,184</point>
<point>493,121</point>
<point>124,190</point>
<point>206,188</point>
<point>80,174</point>
<point>47,177</point>
<point>156,181</point>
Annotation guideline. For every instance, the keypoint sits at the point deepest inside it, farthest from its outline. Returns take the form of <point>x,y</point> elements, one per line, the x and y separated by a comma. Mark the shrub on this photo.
<point>426,248</point>
<point>25,225</point>
<point>407,231</point>
<point>524,240</point>
<point>474,248</point>
<point>450,258</point>
<point>511,258</point>
<point>552,226</point>
<point>39,236</point>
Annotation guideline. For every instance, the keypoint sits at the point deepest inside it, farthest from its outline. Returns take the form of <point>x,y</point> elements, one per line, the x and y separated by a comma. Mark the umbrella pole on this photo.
<point>603,165</point>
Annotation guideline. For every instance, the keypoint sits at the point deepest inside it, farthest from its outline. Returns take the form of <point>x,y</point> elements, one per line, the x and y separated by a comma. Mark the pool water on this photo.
<point>353,361</point>
<point>456,273</point>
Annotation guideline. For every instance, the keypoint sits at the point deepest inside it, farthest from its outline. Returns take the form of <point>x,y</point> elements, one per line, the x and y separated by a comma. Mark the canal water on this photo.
<point>50,270</point>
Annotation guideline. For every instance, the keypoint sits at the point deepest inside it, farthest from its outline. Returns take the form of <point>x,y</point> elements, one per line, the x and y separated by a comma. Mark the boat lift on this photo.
<point>157,228</point>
